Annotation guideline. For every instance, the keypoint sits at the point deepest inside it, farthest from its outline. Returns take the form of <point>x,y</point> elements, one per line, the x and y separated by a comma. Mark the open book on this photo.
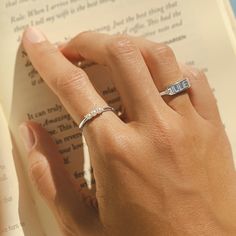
<point>200,32</point>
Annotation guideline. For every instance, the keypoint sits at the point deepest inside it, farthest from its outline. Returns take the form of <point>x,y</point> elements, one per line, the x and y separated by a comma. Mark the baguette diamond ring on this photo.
<point>176,88</point>
<point>94,113</point>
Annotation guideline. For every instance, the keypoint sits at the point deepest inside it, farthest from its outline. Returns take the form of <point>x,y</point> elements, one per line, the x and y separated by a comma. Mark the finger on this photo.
<point>68,82</point>
<point>165,71</point>
<point>130,73</point>
<point>201,94</point>
<point>53,182</point>
<point>71,53</point>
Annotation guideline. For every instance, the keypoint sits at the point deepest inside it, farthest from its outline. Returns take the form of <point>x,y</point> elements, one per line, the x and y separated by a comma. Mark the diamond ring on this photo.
<point>176,88</point>
<point>94,113</point>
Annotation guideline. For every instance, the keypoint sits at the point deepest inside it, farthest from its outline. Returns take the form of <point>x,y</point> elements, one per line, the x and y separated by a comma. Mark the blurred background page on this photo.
<point>233,2</point>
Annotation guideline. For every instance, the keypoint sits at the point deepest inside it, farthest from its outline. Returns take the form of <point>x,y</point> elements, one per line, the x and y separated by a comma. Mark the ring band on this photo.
<point>176,88</point>
<point>94,113</point>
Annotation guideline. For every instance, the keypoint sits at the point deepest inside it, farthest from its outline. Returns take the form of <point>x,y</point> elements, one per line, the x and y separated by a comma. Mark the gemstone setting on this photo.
<point>94,113</point>
<point>177,88</point>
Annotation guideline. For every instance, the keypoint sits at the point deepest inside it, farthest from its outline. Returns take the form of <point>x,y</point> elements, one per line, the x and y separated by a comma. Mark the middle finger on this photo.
<point>130,73</point>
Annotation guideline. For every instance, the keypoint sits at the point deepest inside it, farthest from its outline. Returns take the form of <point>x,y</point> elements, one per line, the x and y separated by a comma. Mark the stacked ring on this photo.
<point>94,113</point>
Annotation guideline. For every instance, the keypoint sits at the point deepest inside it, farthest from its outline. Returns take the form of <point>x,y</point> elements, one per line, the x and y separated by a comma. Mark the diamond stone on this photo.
<point>94,113</point>
<point>99,110</point>
<point>88,116</point>
<point>178,87</point>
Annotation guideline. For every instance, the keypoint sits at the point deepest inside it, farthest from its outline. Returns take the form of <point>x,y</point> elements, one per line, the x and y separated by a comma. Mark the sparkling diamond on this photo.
<point>186,84</point>
<point>170,91</point>
<point>99,110</point>
<point>88,116</point>
<point>94,113</point>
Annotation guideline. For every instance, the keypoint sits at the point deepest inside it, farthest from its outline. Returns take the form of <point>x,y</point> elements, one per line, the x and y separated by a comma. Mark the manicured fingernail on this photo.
<point>34,35</point>
<point>27,137</point>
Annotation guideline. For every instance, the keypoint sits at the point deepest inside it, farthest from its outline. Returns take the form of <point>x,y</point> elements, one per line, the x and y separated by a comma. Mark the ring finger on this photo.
<point>165,71</point>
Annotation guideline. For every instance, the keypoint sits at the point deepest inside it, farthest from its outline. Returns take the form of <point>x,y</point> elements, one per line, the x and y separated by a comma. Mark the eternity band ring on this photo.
<point>176,88</point>
<point>94,113</point>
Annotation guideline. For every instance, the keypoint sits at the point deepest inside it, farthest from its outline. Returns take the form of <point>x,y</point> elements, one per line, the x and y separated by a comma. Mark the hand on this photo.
<point>167,171</point>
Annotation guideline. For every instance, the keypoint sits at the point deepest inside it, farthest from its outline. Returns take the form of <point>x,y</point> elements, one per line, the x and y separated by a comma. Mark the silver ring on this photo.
<point>176,88</point>
<point>94,113</point>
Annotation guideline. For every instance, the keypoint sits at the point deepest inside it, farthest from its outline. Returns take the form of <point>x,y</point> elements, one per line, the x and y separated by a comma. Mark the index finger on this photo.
<point>70,83</point>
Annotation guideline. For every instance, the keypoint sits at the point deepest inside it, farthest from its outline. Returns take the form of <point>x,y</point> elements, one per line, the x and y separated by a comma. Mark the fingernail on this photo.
<point>27,137</point>
<point>34,35</point>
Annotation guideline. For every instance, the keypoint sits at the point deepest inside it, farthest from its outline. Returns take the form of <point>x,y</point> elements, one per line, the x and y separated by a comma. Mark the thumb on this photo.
<point>47,171</point>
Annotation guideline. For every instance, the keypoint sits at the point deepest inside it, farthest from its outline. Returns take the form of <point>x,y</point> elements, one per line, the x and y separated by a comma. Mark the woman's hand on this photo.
<point>167,171</point>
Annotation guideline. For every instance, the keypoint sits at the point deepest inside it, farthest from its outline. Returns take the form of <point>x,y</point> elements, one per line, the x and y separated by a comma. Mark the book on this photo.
<point>201,34</point>
<point>230,13</point>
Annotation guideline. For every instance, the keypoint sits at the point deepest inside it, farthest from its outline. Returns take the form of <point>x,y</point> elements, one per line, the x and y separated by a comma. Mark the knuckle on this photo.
<point>164,134</point>
<point>120,46</point>
<point>164,56</point>
<point>198,74</point>
<point>69,80</point>
<point>163,51</point>
<point>116,147</point>
<point>176,138</point>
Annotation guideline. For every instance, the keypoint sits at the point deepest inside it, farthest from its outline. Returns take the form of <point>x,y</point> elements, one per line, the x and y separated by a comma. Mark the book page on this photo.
<point>201,40</point>
<point>228,13</point>
<point>17,212</point>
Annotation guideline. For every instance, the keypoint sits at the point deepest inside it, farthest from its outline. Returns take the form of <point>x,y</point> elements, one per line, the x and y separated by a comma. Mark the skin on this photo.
<point>167,170</point>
